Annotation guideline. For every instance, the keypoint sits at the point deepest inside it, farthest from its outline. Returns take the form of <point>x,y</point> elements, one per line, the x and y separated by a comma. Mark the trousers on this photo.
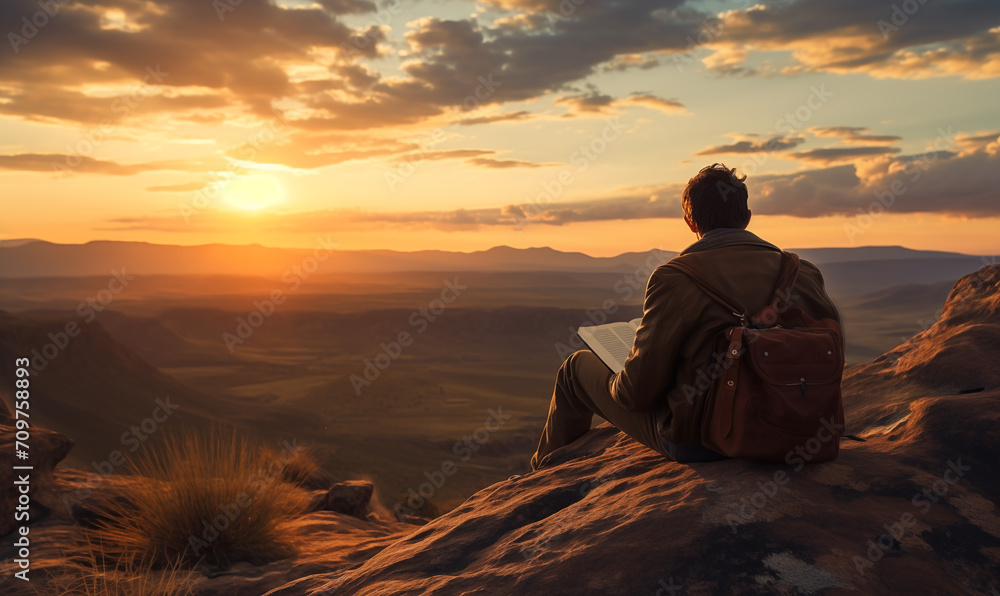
<point>582,389</point>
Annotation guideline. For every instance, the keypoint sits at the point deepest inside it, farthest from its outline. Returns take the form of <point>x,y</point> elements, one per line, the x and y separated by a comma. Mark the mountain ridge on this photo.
<point>25,259</point>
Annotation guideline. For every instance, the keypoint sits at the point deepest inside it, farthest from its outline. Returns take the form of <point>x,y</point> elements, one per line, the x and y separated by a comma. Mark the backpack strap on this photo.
<point>783,287</point>
<point>696,275</point>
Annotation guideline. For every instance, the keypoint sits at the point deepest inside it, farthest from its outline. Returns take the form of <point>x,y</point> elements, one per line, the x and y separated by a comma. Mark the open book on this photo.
<point>611,342</point>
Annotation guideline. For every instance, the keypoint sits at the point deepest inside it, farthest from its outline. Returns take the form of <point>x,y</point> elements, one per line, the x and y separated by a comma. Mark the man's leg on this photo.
<point>581,391</point>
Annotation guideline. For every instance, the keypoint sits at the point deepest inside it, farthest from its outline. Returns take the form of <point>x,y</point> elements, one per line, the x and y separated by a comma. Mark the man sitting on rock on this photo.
<point>658,399</point>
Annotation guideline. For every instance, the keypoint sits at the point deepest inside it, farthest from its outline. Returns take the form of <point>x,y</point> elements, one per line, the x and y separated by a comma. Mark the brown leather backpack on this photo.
<point>775,394</point>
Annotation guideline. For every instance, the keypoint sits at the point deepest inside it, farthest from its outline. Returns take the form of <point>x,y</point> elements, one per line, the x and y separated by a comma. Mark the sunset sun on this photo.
<point>253,193</point>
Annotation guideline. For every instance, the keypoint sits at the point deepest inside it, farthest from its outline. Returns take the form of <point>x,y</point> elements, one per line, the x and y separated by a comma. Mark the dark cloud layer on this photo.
<point>554,44</point>
<point>531,49</point>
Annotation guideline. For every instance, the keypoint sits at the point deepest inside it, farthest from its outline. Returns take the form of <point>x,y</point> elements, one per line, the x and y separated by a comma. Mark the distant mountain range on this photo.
<point>876,266</point>
<point>45,259</point>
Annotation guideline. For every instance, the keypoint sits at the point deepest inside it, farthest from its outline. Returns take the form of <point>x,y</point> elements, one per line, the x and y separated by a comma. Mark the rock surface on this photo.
<point>910,511</point>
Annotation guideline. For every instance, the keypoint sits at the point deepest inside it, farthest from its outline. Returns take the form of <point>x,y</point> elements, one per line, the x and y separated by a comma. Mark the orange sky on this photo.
<point>461,126</point>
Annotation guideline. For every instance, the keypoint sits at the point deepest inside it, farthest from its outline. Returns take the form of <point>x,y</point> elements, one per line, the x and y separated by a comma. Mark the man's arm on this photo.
<point>650,367</point>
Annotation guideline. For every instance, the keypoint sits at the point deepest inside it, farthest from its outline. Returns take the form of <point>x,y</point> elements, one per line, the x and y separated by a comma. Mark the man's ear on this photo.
<point>749,213</point>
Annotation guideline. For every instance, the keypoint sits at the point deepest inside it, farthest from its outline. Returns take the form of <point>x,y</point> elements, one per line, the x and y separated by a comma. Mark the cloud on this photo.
<point>463,65</point>
<point>183,187</point>
<point>982,141</point>
<point>47,102</point>
<point>279,144</point>
<point>595,102</point>
<point>777,143</point>
<point>587,103</point>
<point>476,157</point>
<point>940,181</point>
<point>238,56</point>
<point>837,154</point>
<point>505,117</point>
<point>488,162</point>
<point>939,39</point>
<point>853,134</point>
<point>670,106</point>
<point>448,154</point>
<point>631,62</point>
<point>62,163</point>
<point>873,145</point>
<point>856,36</point>
<point>347,6</point>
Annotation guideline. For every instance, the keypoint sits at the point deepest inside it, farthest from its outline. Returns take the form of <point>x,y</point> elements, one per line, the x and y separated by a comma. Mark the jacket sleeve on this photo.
<point>652,362</point>
<point>812,289</point>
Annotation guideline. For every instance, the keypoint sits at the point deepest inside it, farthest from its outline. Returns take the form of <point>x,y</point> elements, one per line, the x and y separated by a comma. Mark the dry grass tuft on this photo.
<point>302,468</point>
<point>94,572</point>
<point>212,496</point>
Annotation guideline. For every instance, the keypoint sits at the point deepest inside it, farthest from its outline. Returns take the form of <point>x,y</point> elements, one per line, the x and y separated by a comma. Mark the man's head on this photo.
<point>715,198</point>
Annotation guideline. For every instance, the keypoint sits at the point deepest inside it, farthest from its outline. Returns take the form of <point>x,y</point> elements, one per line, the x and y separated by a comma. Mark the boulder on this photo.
<point>350,498</point>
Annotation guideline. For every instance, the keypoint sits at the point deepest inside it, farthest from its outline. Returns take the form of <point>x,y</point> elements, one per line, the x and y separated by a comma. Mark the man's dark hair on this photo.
<point>716,198</point>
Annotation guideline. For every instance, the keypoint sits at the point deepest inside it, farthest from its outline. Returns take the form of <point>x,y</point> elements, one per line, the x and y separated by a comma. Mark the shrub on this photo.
<point>212,496</point>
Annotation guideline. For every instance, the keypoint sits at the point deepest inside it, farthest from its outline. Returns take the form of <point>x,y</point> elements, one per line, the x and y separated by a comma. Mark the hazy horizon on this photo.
<point>13,242</point>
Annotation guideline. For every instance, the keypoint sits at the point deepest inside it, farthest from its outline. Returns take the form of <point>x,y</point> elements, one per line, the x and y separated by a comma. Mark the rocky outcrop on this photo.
<point>957,354</point>
<point>45,449</point>
<point>912,510</point>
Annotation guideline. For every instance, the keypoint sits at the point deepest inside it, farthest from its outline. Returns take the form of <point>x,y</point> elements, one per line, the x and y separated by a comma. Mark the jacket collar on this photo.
<point>722,237</point>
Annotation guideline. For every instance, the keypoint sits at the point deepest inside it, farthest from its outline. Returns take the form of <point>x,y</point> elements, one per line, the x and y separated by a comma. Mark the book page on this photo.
<point>612,342</point>
<point>634,323</point>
